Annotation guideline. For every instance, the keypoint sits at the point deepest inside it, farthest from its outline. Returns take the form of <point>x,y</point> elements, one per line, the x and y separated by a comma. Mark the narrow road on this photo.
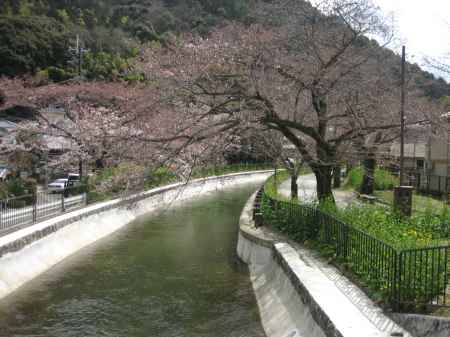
<point>307,191</point>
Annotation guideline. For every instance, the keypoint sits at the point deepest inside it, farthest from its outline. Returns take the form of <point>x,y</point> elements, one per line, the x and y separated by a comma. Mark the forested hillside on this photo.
<point>36,35</point>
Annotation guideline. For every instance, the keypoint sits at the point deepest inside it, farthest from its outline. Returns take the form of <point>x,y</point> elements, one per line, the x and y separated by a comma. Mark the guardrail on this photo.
<point>19,212</point>
<point>413,280</point>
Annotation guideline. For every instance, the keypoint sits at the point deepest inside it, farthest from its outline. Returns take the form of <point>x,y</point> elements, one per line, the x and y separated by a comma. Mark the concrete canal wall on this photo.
<point>301,296</point>
<point>424,326</point>
<point>31,251</point>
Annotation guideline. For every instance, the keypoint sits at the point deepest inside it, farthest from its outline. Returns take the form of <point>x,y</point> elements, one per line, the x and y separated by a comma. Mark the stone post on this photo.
<point>403,199</point>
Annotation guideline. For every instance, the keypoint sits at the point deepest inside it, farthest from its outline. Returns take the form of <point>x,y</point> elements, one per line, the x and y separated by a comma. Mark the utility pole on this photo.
<point>80,58</point>
<point>77,53</point>
<point>403,194</point>
<point>402,122</point>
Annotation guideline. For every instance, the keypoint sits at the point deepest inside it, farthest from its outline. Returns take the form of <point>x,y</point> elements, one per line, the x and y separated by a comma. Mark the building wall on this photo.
<point>436,153</point>
<point>439,150</point>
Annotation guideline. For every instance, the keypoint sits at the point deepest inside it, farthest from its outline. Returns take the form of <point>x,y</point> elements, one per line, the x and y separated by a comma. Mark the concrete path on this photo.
<point>307,191</point>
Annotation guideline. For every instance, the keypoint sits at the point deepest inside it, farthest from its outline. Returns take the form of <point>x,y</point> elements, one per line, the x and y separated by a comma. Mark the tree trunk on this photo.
<point>337,176</point>
<point>99,165</point>
<point>368,182</point>
<point>294,186</point>
<point>324,179</point>
<point>80,169</point>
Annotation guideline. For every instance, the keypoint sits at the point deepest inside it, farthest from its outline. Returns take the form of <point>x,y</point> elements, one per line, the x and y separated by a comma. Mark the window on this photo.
<point>420,164</point>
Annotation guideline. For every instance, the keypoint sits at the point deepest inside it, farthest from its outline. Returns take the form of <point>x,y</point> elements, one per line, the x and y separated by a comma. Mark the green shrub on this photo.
<point>322,227</point>
<point>109,182</point>
<point>355,177</point>
<point>271,186</point>
<point>25,189</point>
<point>57,74</point>
<point>159,177</point>
<point>384,180</point>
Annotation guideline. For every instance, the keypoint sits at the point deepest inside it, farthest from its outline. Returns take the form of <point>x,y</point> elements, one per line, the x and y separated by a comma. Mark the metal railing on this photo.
<point>23,211</point>
<point>430,184</point>
<point>19,212</point>
<point>413,280</point>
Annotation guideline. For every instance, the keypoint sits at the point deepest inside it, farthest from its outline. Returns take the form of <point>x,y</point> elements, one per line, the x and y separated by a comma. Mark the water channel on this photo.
<point>171,274</point>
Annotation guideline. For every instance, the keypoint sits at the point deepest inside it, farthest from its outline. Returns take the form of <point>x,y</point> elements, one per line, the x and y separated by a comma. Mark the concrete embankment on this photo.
<point>299,295</point>
<point>31,251</point>
<point>424,326</point>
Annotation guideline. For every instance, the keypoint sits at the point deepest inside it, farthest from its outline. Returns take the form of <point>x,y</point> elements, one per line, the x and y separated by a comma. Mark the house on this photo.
<point>55,144</point>
<point>426,157</point>
<point>416,149</point>
<point>7,131</point>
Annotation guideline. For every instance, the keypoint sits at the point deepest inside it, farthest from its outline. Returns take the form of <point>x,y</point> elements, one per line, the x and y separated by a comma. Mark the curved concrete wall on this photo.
<point>424,326</point>
<point>298,296</point>
<point>31,251</point>
<point>283,311</point>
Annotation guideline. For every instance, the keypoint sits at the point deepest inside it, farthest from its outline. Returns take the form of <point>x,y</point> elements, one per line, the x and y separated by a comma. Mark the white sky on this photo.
<point>422,25</point>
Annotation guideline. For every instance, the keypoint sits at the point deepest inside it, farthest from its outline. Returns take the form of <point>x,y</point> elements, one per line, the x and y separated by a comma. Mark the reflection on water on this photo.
<point>173,274</point>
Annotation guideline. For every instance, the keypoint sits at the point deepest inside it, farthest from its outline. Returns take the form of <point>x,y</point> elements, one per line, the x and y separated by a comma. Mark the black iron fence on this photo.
<point>407,280</point>
<point>429,183</point>
<point>19,212</point>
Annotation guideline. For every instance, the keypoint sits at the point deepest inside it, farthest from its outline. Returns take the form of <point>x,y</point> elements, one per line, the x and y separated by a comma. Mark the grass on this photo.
<point>384,180</point>
<point>423,230</point>
<point>273,183</point>
<point>421,203</point>
<point>271,186</point>
<point>427,227</point>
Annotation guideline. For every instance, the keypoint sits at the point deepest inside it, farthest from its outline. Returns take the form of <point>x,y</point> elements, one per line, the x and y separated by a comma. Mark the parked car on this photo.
<point>73,179</point>
<point>4,173</point>
<point>58,186</point>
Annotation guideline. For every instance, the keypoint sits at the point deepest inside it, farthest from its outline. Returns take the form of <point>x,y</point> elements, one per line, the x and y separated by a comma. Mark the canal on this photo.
<point>170,274</point>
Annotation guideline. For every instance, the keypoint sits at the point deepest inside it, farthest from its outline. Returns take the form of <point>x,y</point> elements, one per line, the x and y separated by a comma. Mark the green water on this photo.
<point>172,274</point>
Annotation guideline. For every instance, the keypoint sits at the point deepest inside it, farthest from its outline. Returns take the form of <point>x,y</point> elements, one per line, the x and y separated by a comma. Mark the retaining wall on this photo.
<point>31,251</point>
<point>301,296</point>
<point>424,326</point>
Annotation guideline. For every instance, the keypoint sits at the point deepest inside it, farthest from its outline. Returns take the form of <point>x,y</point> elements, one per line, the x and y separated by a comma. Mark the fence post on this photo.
<point>63,207</point>
<point>398,280</point>
<point>34,208</point>
<point>346,241</point>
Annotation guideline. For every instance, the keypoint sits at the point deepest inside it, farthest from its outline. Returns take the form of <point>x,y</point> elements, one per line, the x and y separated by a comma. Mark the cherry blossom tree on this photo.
<point>106,124</point>
<point>316,78</point>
